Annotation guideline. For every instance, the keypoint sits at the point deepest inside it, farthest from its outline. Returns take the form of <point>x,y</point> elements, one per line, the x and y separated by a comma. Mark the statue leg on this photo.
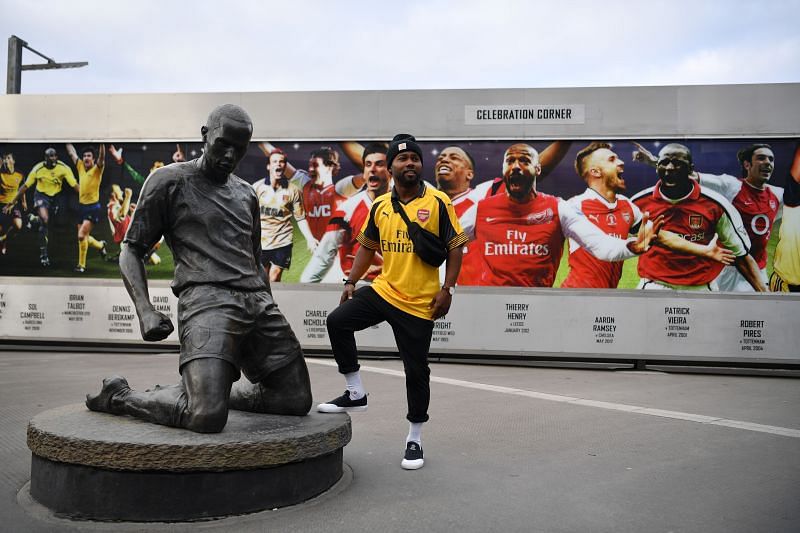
<point>198,403</point>
<point>286,391</point>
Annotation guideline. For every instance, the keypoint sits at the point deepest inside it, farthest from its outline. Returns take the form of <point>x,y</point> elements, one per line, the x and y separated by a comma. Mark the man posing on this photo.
<point>406,294</point>
<point>228,320</point>
<point>90,174</point>
<point>520,234</point>
<point>278,201</point>
<point>696,214</point>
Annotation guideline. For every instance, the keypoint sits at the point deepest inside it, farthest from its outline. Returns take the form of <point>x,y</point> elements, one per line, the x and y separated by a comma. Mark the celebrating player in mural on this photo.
<point>279,201</point>
<point>757,202</point>
<point>11,220</point>
<point>49,177</point>
<point>696,214</point>
<point>786,274</point>
<point>520,235</point>
<point>454,173</point>
<point>90,173</point>
<point>607,208</point>
<point>352,214</point>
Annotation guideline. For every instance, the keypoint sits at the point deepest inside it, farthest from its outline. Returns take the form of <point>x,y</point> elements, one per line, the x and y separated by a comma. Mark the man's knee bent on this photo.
<point>206,419</point>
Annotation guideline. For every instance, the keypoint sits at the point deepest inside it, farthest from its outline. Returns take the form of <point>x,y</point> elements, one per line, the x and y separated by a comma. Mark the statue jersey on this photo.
<point>613,218</point>
<point>213,230</point>
<point>696,218</point>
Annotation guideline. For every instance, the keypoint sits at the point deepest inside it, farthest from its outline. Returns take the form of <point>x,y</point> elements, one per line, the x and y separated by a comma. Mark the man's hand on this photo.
<point>128,193</point>
<point>116,154</point>
<point>155,326</point>
<point>347,293</point>
<point>178,156</point>
<point>718,253</point>
<point>647,232</point>
<point>312,244</point>
<point>643,155</point>
<point>7,209</point>
<point>440,303</point>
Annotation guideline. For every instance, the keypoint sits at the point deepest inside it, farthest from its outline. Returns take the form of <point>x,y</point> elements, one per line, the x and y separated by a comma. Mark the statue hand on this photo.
<point>155,325</point>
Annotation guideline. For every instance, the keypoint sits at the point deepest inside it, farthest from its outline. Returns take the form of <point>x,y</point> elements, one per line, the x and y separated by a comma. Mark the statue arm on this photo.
<point>154,325</point>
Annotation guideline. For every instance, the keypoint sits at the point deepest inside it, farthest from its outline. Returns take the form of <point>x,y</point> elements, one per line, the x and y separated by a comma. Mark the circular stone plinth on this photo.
<point>106,467</point>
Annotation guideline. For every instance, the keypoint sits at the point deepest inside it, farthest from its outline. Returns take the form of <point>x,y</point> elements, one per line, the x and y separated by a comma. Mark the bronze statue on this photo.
<point>228,320</point>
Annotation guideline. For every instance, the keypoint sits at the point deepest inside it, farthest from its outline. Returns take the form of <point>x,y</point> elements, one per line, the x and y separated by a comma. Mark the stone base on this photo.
<point>103,467</point>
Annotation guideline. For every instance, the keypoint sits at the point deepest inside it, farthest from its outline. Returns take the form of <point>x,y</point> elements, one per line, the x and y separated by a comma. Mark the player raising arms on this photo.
<point>757,202</point>
<point>49,176</point>
<point>278,202</point>
<point>606,207</point>
<point>520,234</point>
<point>454,172</point>
<point>696,214</point>
<point>90,173</point>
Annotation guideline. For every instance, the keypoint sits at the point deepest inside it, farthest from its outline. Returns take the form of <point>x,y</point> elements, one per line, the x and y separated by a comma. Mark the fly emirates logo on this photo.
<point>400,244</point>
<point>515,244</point>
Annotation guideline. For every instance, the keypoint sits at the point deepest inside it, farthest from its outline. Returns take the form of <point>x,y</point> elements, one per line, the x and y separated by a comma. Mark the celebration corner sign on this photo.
<point>478,115</point>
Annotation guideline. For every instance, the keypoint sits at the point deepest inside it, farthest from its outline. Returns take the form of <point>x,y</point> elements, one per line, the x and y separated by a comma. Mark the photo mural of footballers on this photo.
<point>739,195</point>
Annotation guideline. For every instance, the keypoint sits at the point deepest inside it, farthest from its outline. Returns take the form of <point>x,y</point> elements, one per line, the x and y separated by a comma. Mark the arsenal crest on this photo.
<point>423,214</point>
<point>695,221</point>
<point>627,217</point>
<point>542,217</point>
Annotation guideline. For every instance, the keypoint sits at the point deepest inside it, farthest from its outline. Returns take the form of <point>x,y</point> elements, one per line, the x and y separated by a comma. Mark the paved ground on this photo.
<point>507,449</point>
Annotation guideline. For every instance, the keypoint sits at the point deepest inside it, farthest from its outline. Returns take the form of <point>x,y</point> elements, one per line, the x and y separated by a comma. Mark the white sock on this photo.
<point>354,385</point>
<point>414,432</point>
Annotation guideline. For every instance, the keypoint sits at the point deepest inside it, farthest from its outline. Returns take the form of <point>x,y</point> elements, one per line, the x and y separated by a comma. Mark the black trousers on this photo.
<point>412,335</point>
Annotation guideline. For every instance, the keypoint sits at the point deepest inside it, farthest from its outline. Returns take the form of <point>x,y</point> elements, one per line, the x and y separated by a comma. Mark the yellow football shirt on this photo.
<point>89,181</point>
<point>9,186</point>
<point>50,180</point>
<point>407,282</point>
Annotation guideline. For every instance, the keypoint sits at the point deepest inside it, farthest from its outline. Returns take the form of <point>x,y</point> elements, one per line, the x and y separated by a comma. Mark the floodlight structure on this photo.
<point>15,66</point>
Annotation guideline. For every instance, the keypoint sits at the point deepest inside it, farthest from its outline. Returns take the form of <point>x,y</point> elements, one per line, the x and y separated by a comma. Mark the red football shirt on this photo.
<point>320,202</point>
<point>695,218</point>
<point>353,213</point>
<point>519,244</point>
<point>615,219</point>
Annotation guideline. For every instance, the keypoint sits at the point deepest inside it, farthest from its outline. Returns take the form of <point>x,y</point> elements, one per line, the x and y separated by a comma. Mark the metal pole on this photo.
<point>15,66</point>
<point>14,69</point>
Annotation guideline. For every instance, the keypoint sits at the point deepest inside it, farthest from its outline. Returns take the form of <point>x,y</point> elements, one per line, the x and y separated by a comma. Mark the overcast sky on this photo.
<point>238,45</point>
